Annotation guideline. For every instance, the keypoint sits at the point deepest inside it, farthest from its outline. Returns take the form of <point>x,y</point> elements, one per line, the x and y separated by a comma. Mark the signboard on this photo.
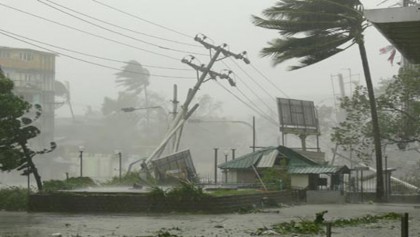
<point>176,166</point>
<point>297,115</point>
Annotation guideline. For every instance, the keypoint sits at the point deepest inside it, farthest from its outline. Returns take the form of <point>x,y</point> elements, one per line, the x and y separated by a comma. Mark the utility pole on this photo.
<point>253,133</point>
<point>182,116</point>
<point>175,112</point>
<point>215,165</point>
<point>175,102</point>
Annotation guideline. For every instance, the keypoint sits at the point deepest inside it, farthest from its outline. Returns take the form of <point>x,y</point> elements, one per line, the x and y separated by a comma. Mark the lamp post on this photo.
<point>118,153</point>
<point>81,149</point>
<point>226,172</point>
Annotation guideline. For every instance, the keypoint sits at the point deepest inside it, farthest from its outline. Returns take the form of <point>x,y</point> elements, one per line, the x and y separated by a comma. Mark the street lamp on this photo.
<point>118,153</point>
<point>226,171</point>
<point>81,149</point>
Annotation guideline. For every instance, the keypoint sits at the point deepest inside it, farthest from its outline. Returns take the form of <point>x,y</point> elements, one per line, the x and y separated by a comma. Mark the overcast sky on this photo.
<point>223,21</point>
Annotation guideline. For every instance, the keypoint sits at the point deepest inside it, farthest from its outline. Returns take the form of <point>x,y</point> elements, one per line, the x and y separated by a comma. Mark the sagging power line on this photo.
<point>113,31</point>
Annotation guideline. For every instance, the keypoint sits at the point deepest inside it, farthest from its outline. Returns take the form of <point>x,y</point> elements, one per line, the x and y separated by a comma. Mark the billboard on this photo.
<point>176,166</point>
<point>297,115</point>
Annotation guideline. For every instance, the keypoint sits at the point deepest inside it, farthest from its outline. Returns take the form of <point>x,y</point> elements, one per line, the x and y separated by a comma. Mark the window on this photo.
<point>26,56</point>
<point>4,54</point>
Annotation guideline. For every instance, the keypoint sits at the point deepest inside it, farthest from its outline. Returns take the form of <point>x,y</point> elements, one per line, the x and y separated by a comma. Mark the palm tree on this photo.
<point>314,30</point>
<point>135,78</point>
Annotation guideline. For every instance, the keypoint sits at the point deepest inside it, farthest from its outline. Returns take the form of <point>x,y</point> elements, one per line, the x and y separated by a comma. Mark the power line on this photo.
<point>142,19</point>
<point>93,56</point>
<point>124,28</point>
<point>115,32</point>
<point>258,84</point>
<point>251,90</point>
<point>245,103</point>
<point>88,33</point>
<point>87,61</point>
<point>266,78</point>
<point>262,113</point>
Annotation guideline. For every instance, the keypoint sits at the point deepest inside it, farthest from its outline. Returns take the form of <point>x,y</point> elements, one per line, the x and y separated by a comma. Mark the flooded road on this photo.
<point>19,224</point>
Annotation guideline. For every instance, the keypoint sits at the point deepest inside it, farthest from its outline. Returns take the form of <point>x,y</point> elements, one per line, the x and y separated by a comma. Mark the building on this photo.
<point>304,172</point>
<point>401,26</point>
<point>33,73</point>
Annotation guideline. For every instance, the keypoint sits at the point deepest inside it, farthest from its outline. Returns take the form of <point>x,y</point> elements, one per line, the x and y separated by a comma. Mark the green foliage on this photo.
<point>398,111</point>
<point>185,194</point>
<point>365,219</point>
<point>186,191</point>
<point>276,178</point>
<point>69,184</point>
<point>317,226</point>
<point>127,179</point>
<point>312,30</point>
<point>16,130</point>
<point>13,199</point>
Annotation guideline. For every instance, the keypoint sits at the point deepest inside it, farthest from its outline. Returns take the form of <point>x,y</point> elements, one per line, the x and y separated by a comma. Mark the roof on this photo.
<point>28,50</point>
<point>401,26</point>
<point>318,170</point>
<point>266,157</point>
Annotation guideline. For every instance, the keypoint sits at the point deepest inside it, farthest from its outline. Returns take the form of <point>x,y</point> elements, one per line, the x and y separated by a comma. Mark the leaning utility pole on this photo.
<point>184,113</point>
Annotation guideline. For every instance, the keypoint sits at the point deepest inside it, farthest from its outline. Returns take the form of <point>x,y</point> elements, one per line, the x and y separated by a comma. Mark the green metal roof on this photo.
<point>318,170</point>
<point>246,161</point>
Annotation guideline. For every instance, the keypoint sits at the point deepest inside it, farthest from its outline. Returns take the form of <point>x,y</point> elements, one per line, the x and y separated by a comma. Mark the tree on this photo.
<point>315,30</point>
<point>135,78</point>
<point>398,104</point>
<point>16,130</point>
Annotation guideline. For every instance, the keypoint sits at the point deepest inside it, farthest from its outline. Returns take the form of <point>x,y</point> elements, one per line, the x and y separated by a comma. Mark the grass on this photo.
<point>13,199</point>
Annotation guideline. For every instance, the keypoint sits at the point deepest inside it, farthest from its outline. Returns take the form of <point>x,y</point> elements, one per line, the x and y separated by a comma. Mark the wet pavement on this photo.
<point>19,224</point>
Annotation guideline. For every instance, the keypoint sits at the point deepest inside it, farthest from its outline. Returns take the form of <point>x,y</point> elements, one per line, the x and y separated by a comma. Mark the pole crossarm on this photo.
<point>222,48</point>
<point>213,74</point>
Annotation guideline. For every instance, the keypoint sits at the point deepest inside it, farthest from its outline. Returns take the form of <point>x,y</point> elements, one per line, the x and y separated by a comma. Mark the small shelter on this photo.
<point>304,172</point>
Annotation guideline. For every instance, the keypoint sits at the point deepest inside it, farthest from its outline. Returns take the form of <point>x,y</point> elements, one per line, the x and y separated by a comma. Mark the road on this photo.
<point>19,224</point>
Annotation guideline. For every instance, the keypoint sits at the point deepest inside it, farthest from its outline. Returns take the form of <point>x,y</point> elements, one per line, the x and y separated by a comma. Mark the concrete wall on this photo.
<point>299,180</point>
<point>141,202</point>
<point>356,197</point>
<point>324,196</point>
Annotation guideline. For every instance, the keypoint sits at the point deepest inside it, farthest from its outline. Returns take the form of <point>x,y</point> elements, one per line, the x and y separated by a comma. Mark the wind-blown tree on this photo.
<point>135,79</point>
<point>16,130</point>
<point>398,104</point>
<point>314,30</point>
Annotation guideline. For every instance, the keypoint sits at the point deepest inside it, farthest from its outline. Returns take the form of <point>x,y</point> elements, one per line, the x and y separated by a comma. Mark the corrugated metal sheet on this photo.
<point>267,159</point>
<point>246,161</point>
<point>314,170</point>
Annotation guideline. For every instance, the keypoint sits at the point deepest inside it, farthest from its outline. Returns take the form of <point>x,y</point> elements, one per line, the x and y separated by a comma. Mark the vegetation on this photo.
<point>186,193</point>
<point>15,132</point>
<point>316,30</point>
<point>317,226</point>
<point>127,179</point>
<point>135,78</point>
<point>13,199</point>
<point>276,179</point>
<point>398,111</point>
<point>69,184</point>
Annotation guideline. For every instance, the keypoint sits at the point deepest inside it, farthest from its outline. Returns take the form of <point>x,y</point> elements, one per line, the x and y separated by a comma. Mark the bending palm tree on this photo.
<point>315,30</point>
<point>135,78</point>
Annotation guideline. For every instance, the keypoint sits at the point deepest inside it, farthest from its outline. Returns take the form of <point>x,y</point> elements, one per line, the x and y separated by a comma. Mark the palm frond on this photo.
<point>311,47</point>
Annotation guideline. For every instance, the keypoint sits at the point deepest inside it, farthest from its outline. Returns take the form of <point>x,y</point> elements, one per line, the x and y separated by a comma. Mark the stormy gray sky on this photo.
<point>176,22</point>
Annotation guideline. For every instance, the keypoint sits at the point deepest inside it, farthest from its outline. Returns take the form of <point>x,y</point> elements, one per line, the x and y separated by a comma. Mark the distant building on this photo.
<point>33,73</point>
